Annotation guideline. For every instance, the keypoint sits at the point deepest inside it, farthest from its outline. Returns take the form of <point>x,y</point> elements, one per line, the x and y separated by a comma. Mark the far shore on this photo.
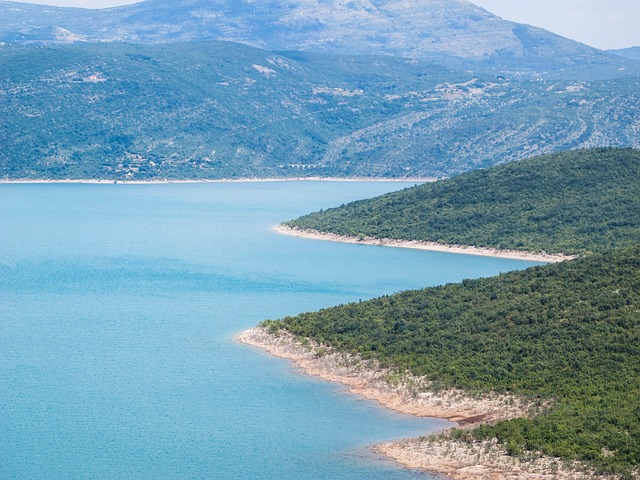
<point>222,180</point>
<point>432,246</point>
<point>409,394</point>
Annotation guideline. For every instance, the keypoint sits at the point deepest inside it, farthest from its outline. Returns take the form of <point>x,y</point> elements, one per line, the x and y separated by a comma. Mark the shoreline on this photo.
<point>405,394</point>
<point>408,394</point>
<point>486,460</point>
<point>221,180</point>
<point>419,245</point>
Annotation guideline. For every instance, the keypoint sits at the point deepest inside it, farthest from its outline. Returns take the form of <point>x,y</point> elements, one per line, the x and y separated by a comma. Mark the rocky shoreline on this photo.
<point>478,461</point>
<point>458,460</point>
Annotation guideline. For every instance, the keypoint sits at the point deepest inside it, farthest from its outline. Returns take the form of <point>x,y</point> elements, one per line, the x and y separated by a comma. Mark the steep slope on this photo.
<point>223,110</point>
<point>571,202</point>
<point>454,32</point>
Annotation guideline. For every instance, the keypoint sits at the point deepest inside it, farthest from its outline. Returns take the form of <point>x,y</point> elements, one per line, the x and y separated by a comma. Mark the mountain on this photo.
<point>570,202</point>
<point>224,110</point>
<point>632,53</point>
<point>380,88</point>
<point>453,32</point>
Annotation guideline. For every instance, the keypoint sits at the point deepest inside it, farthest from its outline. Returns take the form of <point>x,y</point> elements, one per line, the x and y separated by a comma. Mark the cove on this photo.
<point>118,310</point>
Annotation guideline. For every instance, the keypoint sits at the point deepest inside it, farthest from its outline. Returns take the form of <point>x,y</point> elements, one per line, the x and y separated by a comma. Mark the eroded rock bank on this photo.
<point>439,453</point>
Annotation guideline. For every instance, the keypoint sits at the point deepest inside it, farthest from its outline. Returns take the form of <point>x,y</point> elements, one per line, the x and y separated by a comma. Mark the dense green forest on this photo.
<point>571,202</point>
<point>568,332</point>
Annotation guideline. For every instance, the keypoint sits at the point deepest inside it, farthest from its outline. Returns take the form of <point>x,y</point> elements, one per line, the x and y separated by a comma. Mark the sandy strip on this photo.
<point>432,246</point>
<point>408,394</point>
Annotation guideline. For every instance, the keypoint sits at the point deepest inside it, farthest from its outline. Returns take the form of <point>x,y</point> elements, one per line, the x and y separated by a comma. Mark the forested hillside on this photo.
<point>571,202</point>
<point>224,110</point>
<point>568,333</point>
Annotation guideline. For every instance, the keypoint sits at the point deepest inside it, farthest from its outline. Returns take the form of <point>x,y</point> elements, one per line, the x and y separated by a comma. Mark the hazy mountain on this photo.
<point>632,53</point>
<point>215,110</point>
<point>453,32</point>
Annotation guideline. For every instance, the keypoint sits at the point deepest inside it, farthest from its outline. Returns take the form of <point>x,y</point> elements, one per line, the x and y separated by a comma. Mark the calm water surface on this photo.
<point>118,309</point>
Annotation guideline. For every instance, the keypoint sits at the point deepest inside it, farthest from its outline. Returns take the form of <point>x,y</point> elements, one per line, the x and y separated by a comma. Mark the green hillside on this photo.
<point>570,202</point>
<point>224,110</point>
<point>567,332</point>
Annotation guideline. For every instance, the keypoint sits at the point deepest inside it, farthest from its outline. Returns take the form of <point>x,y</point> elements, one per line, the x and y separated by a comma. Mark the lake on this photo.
<point>118,310</point>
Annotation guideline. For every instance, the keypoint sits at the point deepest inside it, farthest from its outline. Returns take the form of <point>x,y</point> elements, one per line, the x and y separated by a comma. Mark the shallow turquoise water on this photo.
<point>118,307</point>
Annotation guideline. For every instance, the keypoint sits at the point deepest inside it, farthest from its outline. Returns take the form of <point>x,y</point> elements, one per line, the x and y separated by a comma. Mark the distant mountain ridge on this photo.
<point>452,32</point>
<point>369,88</point>
<point>632,53</point>
<point>224,110</point>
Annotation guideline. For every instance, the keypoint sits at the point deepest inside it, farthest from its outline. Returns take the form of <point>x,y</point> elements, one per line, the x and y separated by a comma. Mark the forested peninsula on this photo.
<point>561,341</point>
<point>572,202</point>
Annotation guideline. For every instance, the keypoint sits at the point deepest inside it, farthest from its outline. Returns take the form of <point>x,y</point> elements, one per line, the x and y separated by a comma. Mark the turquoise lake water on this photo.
<point>118,310</point>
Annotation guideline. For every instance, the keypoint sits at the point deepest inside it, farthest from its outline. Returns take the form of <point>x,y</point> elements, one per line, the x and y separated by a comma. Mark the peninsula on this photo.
<point>540,368</point>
